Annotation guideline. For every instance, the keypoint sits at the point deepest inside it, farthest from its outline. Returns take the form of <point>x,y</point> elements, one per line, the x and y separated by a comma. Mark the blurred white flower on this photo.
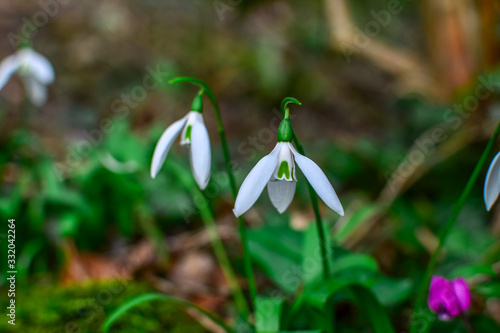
<point>277,171</point>
<point>195,135</point>
<point>492,183</point>
<point>35,71</point>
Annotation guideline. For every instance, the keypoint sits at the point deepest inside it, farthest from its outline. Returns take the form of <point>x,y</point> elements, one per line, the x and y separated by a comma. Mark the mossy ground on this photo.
<point>84,308</point>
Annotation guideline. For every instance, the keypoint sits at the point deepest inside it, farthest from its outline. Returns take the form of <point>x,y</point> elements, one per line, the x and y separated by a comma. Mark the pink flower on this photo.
<point>448,299</point>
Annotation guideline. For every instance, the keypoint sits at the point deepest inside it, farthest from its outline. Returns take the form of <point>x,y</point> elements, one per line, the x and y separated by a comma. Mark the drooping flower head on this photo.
<point>492,183</point>
<point>194,134</point>
<point>35,71</point>
<point>277,171</point>
<point>448,299</point>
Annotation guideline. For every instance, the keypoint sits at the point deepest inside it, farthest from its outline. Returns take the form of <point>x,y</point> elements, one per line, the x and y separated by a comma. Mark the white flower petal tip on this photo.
<point>254,183</point>
<point>200,156</point>
<point>492,183</point>
<point>164,144</point>
<point>318,180</point>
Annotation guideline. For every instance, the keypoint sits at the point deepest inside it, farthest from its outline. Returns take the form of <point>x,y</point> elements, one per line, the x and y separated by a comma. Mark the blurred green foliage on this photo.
<point>83,308</point>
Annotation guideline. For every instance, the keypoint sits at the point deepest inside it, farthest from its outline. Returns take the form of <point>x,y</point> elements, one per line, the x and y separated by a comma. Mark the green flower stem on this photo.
<point>229,169</point>
<point>314,198</point>
<point>419,304</point>
<point>208,219</point>
<point>319,222</point>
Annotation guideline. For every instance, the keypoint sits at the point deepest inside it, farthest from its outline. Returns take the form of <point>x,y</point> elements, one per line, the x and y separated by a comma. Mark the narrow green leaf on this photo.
<point>268,314</point>
<point>349,224</point>
<point>353,261</point>
<point>158,297</point>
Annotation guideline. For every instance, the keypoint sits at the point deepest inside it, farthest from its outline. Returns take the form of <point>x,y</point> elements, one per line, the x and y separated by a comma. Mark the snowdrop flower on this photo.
<point>193,134</point>
<point>277,171</point>
<point>448,299</point>
<point>492,183</point>
<point>35,71</point>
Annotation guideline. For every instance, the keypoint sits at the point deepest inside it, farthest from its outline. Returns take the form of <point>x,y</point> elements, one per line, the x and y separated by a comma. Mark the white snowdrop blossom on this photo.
<point>492,183</point>
<point>277,171</point>
<point>35,71</point>
<point>193,134</point>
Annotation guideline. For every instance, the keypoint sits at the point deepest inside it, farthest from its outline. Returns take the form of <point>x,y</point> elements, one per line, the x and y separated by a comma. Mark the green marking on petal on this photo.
<point>284,170</point>
<point>188,133</point>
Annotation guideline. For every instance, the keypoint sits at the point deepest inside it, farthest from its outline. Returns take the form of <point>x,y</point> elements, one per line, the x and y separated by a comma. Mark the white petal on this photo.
<point>164,144</point>
<point>200,151</point>
<point>316,177</point>
<point>281,193</point>
<point>492,182</point>
<point>285,155</point>
<point>7,67</point>
<point>255,182</point>
<point>35,90</point>
<point>38,66</point>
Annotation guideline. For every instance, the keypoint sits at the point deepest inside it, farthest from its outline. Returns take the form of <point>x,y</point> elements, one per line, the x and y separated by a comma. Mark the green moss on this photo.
<point>84,308</point>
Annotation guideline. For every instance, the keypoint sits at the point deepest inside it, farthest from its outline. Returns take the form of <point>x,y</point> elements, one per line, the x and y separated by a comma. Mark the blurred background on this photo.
<point>399,98</point>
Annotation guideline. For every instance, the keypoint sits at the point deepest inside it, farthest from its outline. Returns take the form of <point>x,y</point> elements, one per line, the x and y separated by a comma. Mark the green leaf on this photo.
<point>311,255</point>
<point>349,224</point>
<point>355,261</point>
<point>310,331</point>
<point>268,314</point>
<point>390,291</point>
<point>67,225</point>
<point>27,254</point>
<point>470,271</point>
<point>372,309</point>
<point>355,265</point>
<point>489,289</point>
<point>158,297</point>
<point>322,295</point>
<point>276,249</point>
<point>319,294</point>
